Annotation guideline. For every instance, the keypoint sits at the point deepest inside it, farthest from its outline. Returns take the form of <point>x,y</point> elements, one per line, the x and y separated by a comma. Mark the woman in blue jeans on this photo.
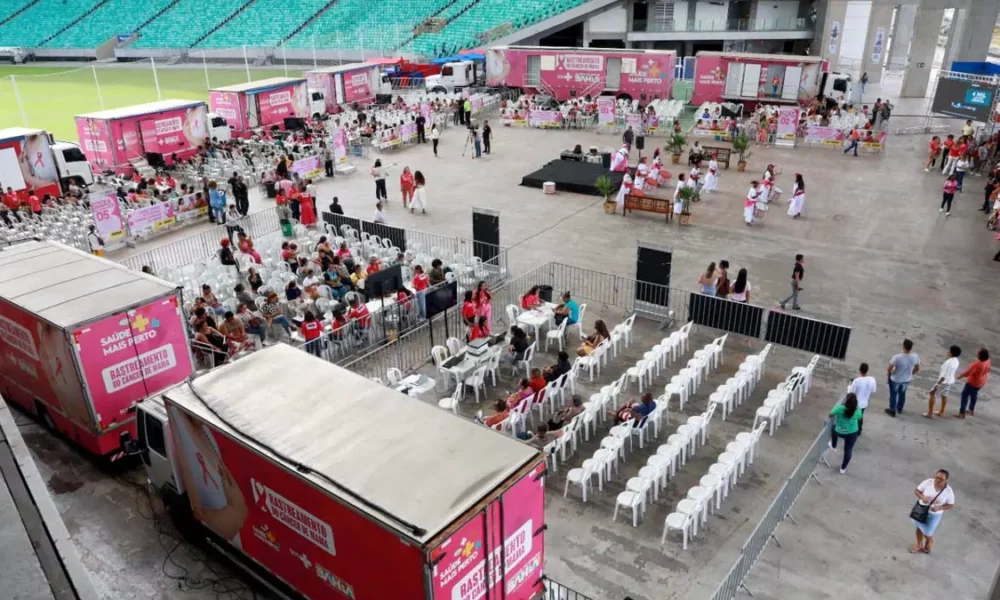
<point>845,425</point>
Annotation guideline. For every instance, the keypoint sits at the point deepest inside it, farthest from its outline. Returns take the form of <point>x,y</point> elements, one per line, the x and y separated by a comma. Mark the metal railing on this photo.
<point>200,246</point>
<point>696,25</point>
<point>778,511</point>
<point>557,591</point>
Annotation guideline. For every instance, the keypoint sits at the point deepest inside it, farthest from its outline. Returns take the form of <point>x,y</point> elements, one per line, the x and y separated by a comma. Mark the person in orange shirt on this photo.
<point>932,153</point>
<point>36,206</point>
<point>469,309</point>
<point>853,139</point>
<point>501,413</point>
<point>312,329</point>
<point>975,377</point>
<point>373,266</point>
<point>537,382</point>
<point>359,314</point>
<point>420,283</point>
<point>480,330</point>
<point>955,151</point>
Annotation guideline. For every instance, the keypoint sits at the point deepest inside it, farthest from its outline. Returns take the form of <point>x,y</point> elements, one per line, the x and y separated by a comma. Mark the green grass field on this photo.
<point>52,96</point>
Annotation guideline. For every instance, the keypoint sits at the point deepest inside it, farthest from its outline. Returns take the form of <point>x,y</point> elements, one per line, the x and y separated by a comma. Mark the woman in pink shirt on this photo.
<point>975,377</point>
<point>950,185</point>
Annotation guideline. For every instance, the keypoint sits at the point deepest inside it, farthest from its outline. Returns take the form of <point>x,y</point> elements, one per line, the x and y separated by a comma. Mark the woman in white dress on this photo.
<point>712,177</point>
<point>639,180</point>
<point>419,199</point>
<point>654,170</point>
<point>678,203</point>
<point>623,191</point>
<point>798,197</point>
<point>750,202</point>
<point>619,162</point>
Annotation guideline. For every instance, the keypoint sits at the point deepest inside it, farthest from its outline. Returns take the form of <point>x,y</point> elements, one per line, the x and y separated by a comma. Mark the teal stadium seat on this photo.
<point>187,22</point>
<point>120,17</point>
<point>265,22</point>
<point>41,21</point>
<point>354,24</point>
<point>10,7</point>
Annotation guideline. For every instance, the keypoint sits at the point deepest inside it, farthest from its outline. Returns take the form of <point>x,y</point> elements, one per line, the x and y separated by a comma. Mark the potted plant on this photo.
<point>676,146</point>
<point>687,196</point>
<point>606,187</point>
<point>741,146</point>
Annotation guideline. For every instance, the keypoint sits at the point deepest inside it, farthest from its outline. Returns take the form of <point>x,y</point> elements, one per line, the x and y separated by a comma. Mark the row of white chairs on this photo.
<point>785,396</point>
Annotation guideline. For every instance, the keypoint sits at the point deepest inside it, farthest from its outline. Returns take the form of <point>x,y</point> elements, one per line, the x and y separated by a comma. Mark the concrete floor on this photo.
<point>879,258</point>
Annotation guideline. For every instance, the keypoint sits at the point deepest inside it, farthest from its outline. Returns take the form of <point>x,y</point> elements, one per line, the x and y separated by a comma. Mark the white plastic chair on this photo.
<point>751,439</point>
<point>556,334</point>
<point>454,345</point>
<point>476,380</point>
<point>640,372</point>
<point>693,509</point>
<point>677,521</point>
<point>579,323</point>
<point>451,403</point>
<point>705,497</point>
<point>513,312</point>
<point>394,376</point>
<point>724,396</point>
<point>635,500</point>
<point>627,329</point>
<point>529,355</point>
<point>807,371</point>
<point>701,423</point>
<point>679,386</point>
<point>581,476</point>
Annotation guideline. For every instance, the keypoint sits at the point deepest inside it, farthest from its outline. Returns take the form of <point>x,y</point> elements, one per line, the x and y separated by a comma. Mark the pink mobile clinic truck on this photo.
<point>156,131</point>
<point>264,103</point>
<point>365,492</point>
<point>361,83</point>
<point>566,73</point>
<point>83,339</point>
<point>770,78</point>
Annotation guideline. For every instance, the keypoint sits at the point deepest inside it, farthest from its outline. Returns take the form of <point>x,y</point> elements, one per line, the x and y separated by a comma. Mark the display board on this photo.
<point>964,98</point>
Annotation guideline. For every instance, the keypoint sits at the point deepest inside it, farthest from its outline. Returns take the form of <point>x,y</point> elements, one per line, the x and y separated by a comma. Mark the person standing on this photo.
<point>421,133</point>
<point>862,387</point>
<point>946,378</point>
<point>722,283</point>
<point>864,82</point>
<point>419,199</point>
<point>706,281</point>
<point>627,138</point>
<point>934,497</point>
<point>975,377</point>
<point>380,216</point>
<point>901,370</point>
<point>853,139</point>
<point>961,167</point>
<point>798,272</point>
<point>95,241</point>
<point>955,152</point>
<point>435,136</point>
<point>487,136</point>
<point>476,140</point>
<point>845,425</point>
<point>750,202</point>
<point>216,203</point>
<point>406,185</point>
<point>379,173</point>
<point>798,199</point>
<point>741,288</point>
<point>933,151</point>
<point>948,193</point>
<point>241,193</point>
<point>467,110</point>
<point>327,159</point>
<point>420,283</point>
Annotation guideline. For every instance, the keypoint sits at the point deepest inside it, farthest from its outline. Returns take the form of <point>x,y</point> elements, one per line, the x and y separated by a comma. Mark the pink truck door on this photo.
<point>131,355</point>
<point>522,512</point>
<point>458,565</point>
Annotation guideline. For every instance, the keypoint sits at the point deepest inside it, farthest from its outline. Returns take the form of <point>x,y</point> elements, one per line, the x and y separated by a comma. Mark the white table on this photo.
<point>471,363</point>
<point>536,318</point>
<point>415,388</point>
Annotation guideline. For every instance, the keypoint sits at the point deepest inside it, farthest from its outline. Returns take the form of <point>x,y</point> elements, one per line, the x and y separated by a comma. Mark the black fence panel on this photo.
<point>727,315</point>
<point>818,337</point>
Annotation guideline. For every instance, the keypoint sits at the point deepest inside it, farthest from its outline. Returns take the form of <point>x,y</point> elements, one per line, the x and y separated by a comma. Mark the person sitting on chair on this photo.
<point>559,369</point>
<point>635,410</point>
<point>522,393</point>
<point>565,415</point>
<point>518,345</point>
<point>593,340</point>
<point>568,309</point>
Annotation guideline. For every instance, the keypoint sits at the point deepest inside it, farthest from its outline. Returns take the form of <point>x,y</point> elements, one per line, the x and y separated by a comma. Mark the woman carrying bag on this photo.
<point>934,496</point>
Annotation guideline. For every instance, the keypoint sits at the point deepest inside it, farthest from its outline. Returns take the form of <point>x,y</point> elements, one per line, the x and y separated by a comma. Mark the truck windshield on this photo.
<point>73,155</point>
<point>317,96</point>
<point>447,71</point>
<point>218,122</point>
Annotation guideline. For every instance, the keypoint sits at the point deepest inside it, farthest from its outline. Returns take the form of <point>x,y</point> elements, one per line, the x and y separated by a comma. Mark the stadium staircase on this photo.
<point>74,23</point>
<point>222,23</point>
<point>305,23</point>
<point>17,11</point>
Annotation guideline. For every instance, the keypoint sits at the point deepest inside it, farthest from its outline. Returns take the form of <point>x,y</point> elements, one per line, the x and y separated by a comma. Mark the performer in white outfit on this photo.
<point>639,183</point>
<point>641,173</point>
<point>678,203</point>
<point>750,202</point>
<point>623,191</point>
<point>419,199</point>
<point>712,177</point>
<point>798,197</point>
<point>619,162</point>
<point>654,171</point>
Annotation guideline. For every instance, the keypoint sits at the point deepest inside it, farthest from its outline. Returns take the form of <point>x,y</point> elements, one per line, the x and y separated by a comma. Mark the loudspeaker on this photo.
<point>485,233</point>
<point>606,160</point>
<point>640,142</point>
<point>294,123</point>
<point>652,273</point>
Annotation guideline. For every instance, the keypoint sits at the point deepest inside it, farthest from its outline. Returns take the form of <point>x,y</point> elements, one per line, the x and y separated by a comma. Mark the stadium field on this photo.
<point>52,96</point>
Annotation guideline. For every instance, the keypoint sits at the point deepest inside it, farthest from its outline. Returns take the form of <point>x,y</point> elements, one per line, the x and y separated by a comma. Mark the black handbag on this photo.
<point>919,512</point>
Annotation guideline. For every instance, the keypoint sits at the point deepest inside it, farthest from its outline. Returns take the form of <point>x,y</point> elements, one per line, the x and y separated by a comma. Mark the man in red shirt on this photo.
<point>420,283</point>
<point>11,199</point>
<point>359,314</point>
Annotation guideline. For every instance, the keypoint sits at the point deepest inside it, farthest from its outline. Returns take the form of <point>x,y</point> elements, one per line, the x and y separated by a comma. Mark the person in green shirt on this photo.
<point>845,425</point>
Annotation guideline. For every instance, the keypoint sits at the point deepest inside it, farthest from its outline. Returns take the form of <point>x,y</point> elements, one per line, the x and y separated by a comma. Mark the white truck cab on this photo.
<point>71,164</point>
<point>454,76</point>
<point>317,104</point>
<point>154,445</point>
<point>218,128</point>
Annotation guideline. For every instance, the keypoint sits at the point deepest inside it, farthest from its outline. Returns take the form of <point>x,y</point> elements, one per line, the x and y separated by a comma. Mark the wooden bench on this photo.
<point>723,154</point>
<point>653,204</point>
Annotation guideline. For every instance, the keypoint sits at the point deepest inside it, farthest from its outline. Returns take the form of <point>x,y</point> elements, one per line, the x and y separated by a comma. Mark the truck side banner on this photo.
<point>227,105</point>
<point>36,358</point>
<point>32,156</point>
<point>312,542</point>
<point>460,571</point>
<point>129,356</point>
<point>357,86</point>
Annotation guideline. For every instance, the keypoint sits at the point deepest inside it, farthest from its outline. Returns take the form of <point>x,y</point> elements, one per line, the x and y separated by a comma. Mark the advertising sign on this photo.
<point>306,538</point>
<point>425,110</point>
<point>163,135</point>
<point>633,120</point>
<point>834,38</point>
<point>227,106</point>
<point>605,110</point>
<point>26,163</point>
<point>107,216</point>
<point>408,131</point>
<point>709,79</point>
<point>524,548</point>
<point>95,143</point>
<point>324,83</point>
<point>308,167</point>
<point>127,141</point>
<point>37,358</point>
<point>340,146</point>
<point>129,356</point>
<point>279,104</point>
<point>828,136</point>
<point>357,86</point>
<point>964,99</point>
<point>476,102</point>
<point>878,45</point>
<point>149,219</point>
<point>544,118</point>
<point>788,122</point>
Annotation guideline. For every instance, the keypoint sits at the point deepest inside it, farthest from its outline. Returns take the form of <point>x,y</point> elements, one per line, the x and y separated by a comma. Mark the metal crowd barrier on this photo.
<point>200,246</point>
<point>557,591</point>
<point>778,511</point>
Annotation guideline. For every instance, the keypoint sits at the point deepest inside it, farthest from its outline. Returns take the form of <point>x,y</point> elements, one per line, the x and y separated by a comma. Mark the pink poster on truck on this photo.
<point>129,356</point>
<point>523,527</point>
<point>279,104</point>
<point>709,79</point>
<point>357,87</point>
<point>227,106</point>
<point>95,142</point>
<point>459,571</point>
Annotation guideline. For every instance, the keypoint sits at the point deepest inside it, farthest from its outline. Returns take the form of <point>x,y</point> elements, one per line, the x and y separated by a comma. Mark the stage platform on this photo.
<point>572,176</point>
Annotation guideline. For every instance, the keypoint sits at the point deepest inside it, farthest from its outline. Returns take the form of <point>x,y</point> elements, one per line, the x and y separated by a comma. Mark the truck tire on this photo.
<point>440,89</point>
<point>43,415</point>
